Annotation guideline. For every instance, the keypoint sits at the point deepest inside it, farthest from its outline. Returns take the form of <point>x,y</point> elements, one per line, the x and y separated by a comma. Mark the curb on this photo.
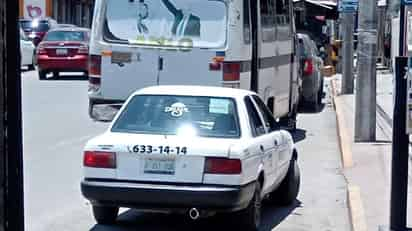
<point>354,198</point>
<point>343,134</point>
<point>357,213</point>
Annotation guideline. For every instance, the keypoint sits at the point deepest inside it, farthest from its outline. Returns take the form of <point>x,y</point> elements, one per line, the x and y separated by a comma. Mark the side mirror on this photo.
<point>104,112</point>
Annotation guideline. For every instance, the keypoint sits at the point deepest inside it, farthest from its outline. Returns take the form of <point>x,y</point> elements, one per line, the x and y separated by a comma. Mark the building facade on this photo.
<point>78,12</point>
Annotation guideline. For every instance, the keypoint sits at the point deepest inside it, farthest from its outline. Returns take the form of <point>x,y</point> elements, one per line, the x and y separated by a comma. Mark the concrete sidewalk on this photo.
<point>367,166</point>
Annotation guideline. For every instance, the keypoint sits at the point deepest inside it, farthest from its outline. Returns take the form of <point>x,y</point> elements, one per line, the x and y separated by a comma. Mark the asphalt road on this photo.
<point>56,126</point>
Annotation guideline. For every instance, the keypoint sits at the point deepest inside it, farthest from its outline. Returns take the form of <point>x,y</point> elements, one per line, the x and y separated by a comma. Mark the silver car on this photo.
<point>310,72</point>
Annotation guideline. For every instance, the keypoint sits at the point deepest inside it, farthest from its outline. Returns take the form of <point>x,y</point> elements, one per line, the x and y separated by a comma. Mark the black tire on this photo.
<point>251,216</point>
<point>288,190</point>
<point>105,215</point>
<point>90,110</point>
<point>32,66</point>
<point>320,92</point>
<point>42,75</point>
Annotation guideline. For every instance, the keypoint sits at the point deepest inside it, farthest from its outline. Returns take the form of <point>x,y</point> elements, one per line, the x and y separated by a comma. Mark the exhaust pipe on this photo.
<point>194,214</point>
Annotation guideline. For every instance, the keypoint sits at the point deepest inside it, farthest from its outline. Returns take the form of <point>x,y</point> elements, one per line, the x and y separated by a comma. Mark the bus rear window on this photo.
<point>194,23</point>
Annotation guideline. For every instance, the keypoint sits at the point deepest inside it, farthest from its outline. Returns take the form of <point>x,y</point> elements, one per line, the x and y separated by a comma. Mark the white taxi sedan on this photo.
<point>194,150</point>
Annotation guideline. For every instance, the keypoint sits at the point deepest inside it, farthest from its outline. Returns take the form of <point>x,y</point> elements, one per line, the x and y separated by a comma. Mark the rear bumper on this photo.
<point>75,63</point>
<point>168,197</point>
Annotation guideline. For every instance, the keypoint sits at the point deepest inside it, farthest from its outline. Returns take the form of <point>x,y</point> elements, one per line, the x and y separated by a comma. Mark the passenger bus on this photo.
<point>247,44</point>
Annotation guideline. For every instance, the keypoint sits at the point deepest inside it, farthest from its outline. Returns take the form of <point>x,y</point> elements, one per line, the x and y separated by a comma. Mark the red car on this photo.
<point>63,50</point>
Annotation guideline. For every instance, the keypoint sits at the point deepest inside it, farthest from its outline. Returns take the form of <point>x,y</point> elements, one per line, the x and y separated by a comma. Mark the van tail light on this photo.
<point>95,66</point>
<point>84,50</point>
<point>41,50</point>
<point>223,166</point>
<point>231,71</point>
<point>216,64</point>
<point>97,159</point>
<point>308,67</point>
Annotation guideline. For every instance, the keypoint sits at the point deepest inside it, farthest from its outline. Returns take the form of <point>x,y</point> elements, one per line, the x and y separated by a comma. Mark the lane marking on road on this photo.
<point>356,210</point>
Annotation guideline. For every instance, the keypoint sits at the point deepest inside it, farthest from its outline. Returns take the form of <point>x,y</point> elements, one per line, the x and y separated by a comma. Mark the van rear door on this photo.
<point>189,68</point>
<point>125,71</point>
<point>171,42</point>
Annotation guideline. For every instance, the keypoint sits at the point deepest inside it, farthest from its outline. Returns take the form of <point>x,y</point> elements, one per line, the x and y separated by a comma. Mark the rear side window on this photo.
<point>270,122</point>
<point>267,18</point>
<point>254,119</point>
<point>65,36</point>
<point>246,21</point>
<point>283,19</point>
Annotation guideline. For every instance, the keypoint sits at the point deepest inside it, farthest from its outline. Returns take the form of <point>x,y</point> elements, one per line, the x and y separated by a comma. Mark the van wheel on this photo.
<point>91,105</point>
<point>105,215</point>
<point>289,188</point>
<point>251,216</point>
<point>320,92</point>
<point>42,75</point>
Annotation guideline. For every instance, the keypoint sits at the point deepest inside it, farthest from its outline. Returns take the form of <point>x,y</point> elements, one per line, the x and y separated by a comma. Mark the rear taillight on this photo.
<point>83,50</point>
<point>231,71</point>
<point>308,67</point>
<point>95,66</point>
<point>222,166</point>
<point>97,159</point>
<point>41,50</point>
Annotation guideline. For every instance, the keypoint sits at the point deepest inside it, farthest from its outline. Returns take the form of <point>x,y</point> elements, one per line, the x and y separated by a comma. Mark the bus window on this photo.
<point>246,21</point>
<point>283,19</point>
<point>267,17</point>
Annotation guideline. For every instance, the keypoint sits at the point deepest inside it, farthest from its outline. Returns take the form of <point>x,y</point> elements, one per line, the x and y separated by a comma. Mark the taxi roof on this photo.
<point>188,90</point>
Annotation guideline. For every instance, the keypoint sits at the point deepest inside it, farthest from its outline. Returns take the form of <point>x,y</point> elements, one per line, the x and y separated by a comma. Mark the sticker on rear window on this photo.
<point>219,106</point>
<point>177,109</point>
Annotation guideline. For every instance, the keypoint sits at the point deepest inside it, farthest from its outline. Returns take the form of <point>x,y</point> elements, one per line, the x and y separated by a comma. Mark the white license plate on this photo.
<point>61,52</point>
<point>159,166</point>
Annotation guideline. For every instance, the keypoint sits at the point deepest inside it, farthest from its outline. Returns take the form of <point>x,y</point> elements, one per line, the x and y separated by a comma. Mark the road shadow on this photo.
<point>306,109</point>
<point>273,216</point>
<point>132,220</point>
<point>298,135</point>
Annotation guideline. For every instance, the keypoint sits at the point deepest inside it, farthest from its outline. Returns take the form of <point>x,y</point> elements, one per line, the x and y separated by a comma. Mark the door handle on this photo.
<point>262,148</point>
<point>276,143</point>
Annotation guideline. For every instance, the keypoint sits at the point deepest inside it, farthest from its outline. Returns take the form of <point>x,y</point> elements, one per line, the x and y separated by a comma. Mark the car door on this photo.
<point>262,143</point>
<point>273,133</point>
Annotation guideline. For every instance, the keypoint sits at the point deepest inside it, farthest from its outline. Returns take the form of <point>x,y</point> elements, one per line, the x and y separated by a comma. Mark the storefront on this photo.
<point>35,8</point>
<point>78,12</point>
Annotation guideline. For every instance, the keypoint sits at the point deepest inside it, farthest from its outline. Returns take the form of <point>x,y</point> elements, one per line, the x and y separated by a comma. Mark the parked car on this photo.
<point>310,72</point>
<point>35,29</point>
<point>27,52</point>
<point>63,50</point>
<point>194,150</point>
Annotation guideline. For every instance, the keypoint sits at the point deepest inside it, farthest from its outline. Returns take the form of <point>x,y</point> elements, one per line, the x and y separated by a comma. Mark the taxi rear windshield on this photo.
<point>169,23</point>
<point>179,115</point>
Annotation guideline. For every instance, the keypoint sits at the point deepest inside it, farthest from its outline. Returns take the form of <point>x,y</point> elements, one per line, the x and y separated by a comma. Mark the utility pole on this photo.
<point>11,156</point>
<point>347,52</point>
<point>365,109</point>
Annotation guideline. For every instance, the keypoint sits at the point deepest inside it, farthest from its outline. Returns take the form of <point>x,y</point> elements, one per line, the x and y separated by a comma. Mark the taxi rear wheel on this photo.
<point>251,216</point>
<point>105,215</point>
<point>289,188</point>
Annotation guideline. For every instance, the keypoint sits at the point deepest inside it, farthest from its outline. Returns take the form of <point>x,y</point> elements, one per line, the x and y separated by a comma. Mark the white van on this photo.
<point>233,43</point>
